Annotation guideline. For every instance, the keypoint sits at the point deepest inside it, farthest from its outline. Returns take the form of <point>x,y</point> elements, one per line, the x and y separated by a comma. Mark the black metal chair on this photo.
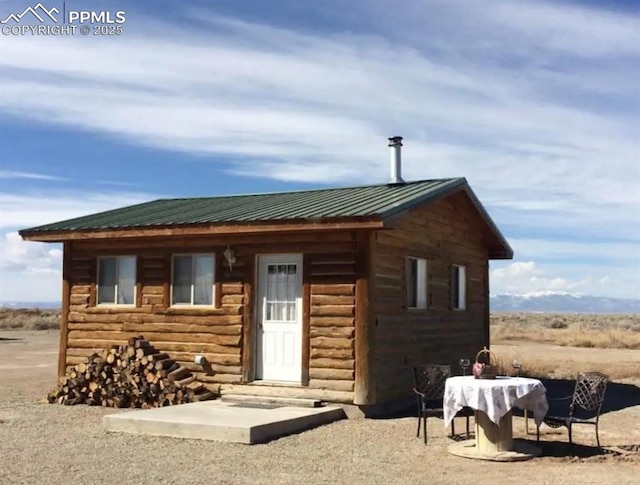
<point>584,405</point>
<point>429,383</point>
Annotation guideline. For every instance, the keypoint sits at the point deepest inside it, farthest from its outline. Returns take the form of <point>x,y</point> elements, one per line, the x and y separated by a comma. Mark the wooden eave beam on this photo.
<point>208,230</point>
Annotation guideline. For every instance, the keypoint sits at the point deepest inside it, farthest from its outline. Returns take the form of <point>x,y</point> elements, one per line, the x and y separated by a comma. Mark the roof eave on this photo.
<point>204,230</point>
<point>501,254</point>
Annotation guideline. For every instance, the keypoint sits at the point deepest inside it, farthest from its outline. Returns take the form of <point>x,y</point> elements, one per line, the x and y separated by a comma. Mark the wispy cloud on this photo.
<point>273,95</point>
<point>529,276</point>
<point>596,265</point>
<point>29,271</point>
<point>540,27</point>
<point>32,209</point>
<point>115,183</point>
<point>15,174</point>
<point>616,253</point>
<point>28,265</point>
<point>18,256</point>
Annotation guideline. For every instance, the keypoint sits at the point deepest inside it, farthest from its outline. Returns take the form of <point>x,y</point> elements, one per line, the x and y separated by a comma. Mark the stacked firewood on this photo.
<point>133,375</point>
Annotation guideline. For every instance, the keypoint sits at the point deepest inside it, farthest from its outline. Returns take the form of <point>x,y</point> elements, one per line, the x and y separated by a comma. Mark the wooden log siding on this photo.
<point>183,333</point>
<point>446,232</point>
<point>218,333</point>
<point>332,320</point>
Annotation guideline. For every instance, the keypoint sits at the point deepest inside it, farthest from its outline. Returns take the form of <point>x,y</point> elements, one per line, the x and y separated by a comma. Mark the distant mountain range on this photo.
<point>541,301</point>
<point>562,302</point>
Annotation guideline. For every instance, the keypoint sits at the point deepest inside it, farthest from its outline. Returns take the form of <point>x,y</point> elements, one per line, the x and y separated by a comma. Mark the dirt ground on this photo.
<point>44,443</point>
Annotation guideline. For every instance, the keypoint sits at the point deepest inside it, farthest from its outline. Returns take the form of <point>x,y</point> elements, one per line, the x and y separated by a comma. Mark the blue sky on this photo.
<point>536,103</point>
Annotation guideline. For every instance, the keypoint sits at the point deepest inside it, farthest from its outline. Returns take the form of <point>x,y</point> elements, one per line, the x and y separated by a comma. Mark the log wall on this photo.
<point>446,232</point>
<point>222,333</point>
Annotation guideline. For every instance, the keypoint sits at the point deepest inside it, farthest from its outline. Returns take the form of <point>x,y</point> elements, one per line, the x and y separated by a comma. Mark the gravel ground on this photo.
<point>42,443</point>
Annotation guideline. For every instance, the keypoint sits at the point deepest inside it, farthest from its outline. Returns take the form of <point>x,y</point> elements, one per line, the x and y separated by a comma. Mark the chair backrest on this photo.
<point>589,391</point>
<point>429,379</point>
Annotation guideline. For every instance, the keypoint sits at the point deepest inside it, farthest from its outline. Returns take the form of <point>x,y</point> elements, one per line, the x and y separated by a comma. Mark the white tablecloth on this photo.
<point>495,397</point>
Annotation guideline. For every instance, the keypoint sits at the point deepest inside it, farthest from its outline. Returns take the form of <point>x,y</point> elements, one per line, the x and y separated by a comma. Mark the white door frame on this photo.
<point>262,260</point>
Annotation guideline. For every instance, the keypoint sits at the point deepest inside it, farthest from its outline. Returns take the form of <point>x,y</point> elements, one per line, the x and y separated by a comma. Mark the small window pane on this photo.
<point>291,312</point>
<point>107,280</point>
<point>277,312</point>
<point>126,280</point>
<point>182,273</point>
<point>421,287</point>
<point>282,282</point>
<point>272,282</point>
<point>455,285</point>
<point>270,311</point>
<point>203,292</point>
<point>412,283</point>
<point>292,283</point>
<point>462,291</point>
<point>459,287</point>
<point>416,282</point>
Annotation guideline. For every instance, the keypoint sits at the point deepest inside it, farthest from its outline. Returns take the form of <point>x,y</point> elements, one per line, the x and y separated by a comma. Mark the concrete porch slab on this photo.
<point>222,421</point>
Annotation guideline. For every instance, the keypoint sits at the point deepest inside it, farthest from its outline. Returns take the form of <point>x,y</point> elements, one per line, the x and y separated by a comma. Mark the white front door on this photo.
<point>279,318</point>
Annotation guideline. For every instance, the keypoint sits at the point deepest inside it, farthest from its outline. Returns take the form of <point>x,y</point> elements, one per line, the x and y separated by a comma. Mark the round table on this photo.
<point>493,400</point>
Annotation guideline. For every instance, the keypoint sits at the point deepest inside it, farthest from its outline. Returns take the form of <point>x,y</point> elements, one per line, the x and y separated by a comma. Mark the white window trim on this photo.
<point>422,283</point>
<point>193,268</point>
<point>135,282</point>
<point>461,303</point>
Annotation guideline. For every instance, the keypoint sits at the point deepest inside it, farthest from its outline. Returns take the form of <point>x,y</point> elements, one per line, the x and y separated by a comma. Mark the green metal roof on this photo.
<point>372,202</point>
<point>369,201</point>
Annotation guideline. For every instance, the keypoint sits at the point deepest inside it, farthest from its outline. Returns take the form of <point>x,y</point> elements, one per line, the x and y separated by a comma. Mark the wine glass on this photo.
<point>516,366</point>
<point>464,365</point>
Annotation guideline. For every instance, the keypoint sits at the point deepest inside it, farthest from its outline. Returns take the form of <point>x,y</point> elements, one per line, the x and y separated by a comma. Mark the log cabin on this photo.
<point>330,294</point>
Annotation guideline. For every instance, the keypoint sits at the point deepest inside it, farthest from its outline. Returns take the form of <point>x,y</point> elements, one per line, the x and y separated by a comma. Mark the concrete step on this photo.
<point>222,421</point>
<point>271,401</point>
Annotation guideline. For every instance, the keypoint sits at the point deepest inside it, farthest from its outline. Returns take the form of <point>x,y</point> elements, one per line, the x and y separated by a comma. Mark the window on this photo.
<point>281,292</point>
<point>459,287</point>
<point>416,283</point>
<point>193,279</point>
<point>117,280</point>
